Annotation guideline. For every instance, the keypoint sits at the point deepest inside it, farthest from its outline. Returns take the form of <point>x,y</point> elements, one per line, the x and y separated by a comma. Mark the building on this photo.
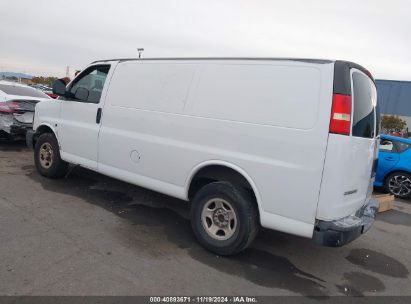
<point>394,98</point>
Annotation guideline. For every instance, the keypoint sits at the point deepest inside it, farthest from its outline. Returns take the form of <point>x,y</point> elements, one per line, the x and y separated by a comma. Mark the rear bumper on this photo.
<point>340,232</point>
<point>10,128</point>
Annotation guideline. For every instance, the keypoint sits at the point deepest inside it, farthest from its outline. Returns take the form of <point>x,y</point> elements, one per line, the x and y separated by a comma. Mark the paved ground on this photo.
<point>92,235</point>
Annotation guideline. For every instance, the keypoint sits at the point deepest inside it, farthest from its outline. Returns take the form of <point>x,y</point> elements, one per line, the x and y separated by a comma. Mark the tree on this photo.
<point>391,123</point>
<point>43,80</point>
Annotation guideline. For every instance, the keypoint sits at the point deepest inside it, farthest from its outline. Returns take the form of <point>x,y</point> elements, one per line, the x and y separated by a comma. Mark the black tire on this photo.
<point>400,176</point>
<point>55,168</point>
<point>244,206</point>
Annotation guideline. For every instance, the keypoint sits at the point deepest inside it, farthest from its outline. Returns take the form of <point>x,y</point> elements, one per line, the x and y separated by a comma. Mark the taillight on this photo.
<point>52,95</point>
<point>340,122</point>
<point>9,107</point>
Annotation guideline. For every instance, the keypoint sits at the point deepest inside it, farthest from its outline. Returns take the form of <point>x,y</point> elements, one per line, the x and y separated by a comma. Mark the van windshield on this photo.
<point>365,101</point>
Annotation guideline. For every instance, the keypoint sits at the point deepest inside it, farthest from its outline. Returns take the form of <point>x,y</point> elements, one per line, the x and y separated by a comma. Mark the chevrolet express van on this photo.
<point>285,144</point>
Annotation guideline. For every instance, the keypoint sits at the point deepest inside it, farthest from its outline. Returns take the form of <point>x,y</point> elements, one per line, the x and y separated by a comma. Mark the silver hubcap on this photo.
<point>46,155</point>
<point>400,185</point>
<point>219,219</point>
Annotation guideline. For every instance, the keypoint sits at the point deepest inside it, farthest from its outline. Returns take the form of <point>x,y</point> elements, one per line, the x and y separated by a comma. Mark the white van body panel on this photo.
<point>346,179</point>
<point>222,112</point>
<point>78,129</point>
<point>164,120</point>
<point>47,114</point>
<point>347,182</point>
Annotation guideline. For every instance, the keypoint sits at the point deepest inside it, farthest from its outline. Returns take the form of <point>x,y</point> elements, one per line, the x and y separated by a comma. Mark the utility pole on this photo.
<point>67,71</point>
<point>140,51</point>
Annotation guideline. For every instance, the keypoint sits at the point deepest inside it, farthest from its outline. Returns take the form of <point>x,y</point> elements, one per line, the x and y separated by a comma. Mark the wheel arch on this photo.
<point>44,128</point>
<point>211,165</point>
<point>397,170</point>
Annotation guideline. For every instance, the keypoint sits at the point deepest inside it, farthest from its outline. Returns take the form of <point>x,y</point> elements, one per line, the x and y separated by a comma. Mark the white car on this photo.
<point>288,144</point>
<point>17,103</point>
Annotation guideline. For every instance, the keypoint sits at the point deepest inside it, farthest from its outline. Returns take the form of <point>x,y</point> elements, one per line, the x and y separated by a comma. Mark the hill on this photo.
<point>12,74</point>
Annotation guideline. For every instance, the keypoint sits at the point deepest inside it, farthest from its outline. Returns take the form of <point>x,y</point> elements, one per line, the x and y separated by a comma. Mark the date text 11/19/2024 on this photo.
<point>203,299</point>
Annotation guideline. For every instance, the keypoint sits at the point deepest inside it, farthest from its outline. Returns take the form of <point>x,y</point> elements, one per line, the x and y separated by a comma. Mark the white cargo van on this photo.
<point>286,144</point>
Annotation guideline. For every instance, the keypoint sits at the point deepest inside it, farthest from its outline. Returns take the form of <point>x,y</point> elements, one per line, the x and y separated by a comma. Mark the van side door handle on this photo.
<point>98,116</point>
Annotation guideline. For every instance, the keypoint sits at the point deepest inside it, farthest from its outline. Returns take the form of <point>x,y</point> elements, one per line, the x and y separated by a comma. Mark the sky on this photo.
<point>43,37</point>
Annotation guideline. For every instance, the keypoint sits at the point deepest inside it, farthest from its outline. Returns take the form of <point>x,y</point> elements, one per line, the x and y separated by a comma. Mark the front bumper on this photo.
<point>340,232</point>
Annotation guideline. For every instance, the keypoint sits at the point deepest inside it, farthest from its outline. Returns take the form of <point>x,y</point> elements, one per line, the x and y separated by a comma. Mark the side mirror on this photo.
<point>81,94</point>
<point>59,87</point>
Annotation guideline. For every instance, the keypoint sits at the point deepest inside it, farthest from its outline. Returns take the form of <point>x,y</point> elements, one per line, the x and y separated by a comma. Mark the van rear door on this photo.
<point>352,146</point>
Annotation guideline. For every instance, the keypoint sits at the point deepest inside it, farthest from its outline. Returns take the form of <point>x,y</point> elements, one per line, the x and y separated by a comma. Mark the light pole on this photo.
<point>140,51</point>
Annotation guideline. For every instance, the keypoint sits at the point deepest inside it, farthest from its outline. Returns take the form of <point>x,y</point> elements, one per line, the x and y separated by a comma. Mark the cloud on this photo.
<point>44,36</point>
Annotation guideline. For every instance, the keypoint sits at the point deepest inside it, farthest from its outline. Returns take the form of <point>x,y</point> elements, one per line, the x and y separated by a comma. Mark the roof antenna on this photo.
<point>140,51</point>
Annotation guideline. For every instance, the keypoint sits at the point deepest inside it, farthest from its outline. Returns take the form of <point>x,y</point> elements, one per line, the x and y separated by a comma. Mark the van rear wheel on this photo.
<point>224,218</point>
<point>47,157</point>
<point>399,184</point>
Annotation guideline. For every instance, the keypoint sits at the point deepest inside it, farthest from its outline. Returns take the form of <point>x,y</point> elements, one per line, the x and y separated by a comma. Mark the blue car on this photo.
<point>394,166</point>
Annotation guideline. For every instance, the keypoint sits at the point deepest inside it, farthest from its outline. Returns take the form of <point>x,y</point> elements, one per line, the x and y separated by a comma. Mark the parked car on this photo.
<point>394,166</point>
<point>49,92</point>
<point>45,89</point>
<point>17,103</point>
<point>288,144</point>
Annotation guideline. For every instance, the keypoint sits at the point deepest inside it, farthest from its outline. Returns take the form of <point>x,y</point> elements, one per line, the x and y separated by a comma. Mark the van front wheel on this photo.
<point>224,218</point>
<point>47,157</point>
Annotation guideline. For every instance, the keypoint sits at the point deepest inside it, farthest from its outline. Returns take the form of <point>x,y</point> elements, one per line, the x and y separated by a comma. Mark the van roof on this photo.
<point>319,61</point>
<point>342,77</point>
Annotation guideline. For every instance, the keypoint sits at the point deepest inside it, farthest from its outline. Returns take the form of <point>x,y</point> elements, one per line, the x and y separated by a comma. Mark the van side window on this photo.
<point>364,106</point>
<point>89,85</point>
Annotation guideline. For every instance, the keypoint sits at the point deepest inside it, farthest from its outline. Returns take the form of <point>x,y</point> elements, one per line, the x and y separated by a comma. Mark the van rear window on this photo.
<point>365,99</point>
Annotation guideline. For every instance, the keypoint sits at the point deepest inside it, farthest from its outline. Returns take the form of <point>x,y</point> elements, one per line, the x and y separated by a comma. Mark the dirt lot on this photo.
<point>92,235</point>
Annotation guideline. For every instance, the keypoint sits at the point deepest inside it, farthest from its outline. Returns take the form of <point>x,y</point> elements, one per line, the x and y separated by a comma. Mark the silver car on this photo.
<point>17,104</point>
